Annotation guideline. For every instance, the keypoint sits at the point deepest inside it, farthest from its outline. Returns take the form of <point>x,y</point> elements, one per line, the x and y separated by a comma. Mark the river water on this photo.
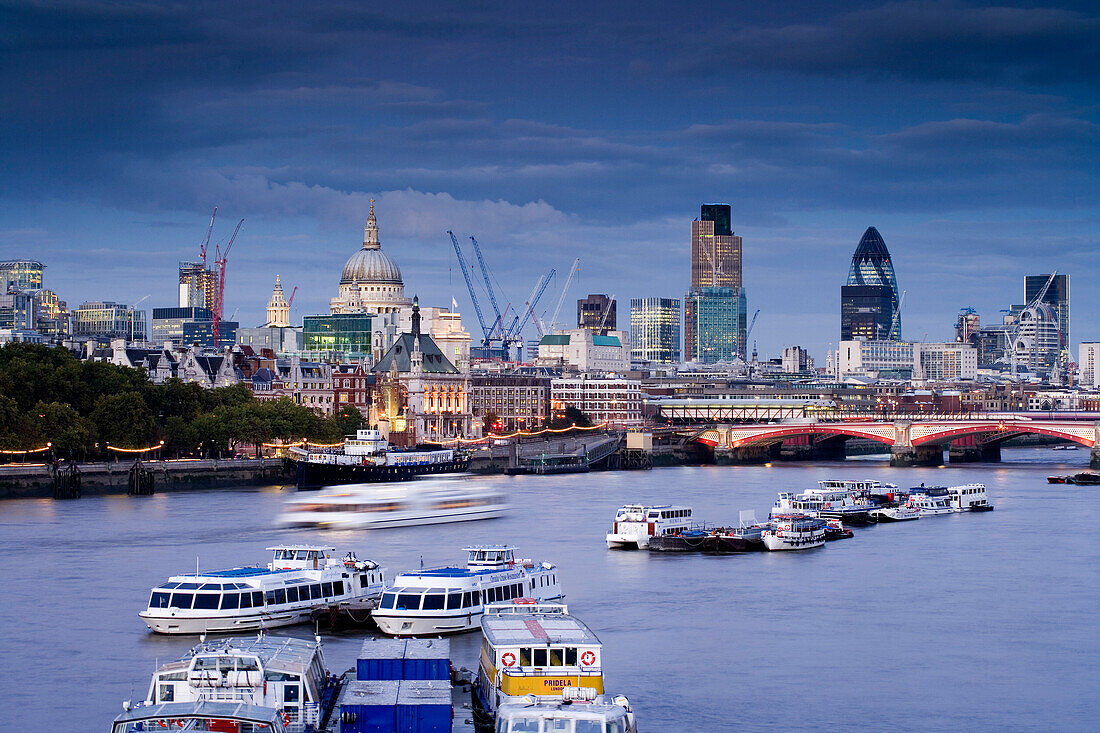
<point>970,621</point>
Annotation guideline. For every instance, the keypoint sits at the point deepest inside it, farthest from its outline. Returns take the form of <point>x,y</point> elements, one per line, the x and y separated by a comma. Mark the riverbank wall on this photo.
<point>26,481</point>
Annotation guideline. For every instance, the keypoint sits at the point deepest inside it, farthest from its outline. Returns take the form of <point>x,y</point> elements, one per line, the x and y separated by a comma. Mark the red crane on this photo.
<point>206,242</point>
<point>220,257</point>
<point>291,301</point>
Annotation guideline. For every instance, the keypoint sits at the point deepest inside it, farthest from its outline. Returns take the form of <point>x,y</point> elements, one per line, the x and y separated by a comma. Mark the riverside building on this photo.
<point>655,330</point>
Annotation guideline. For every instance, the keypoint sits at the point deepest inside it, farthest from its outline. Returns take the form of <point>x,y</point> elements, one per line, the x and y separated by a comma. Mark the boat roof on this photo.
<point>536,629</point>
<point>549,709</point>
<point>452,572</point>
<point>274,651</point>
<point>208,709</point>
<point>322,548</point>
<point>252,572</point>
<point>494,548</point>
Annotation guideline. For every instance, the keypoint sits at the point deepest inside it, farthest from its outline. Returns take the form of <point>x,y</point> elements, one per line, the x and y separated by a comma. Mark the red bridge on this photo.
<point>917,442</point>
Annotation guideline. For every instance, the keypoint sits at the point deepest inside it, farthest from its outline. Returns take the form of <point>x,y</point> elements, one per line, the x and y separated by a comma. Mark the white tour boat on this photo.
<point>203,716</point>
<point>848,506</point>
<point>299,579</point>
<point>376,506</point>
<point>282,673</point>
<point>636,523</point>
<point>968,497</point>
<point>932,501</point>
<point>534,649</point>
<point>580,710</point>
<point>452,599</point>
<point>902,513</point>
<point>794,532</point>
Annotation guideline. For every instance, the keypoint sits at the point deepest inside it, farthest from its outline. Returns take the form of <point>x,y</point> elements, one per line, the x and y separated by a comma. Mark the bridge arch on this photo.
<point>1000,432</point>
<point>739,437</point>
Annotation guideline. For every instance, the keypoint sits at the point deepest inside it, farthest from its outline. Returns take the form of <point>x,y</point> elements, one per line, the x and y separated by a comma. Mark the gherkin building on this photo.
<point>872,266</point>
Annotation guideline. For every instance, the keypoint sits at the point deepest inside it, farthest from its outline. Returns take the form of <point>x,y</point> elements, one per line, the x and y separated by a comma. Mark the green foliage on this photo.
<point>48,395</point>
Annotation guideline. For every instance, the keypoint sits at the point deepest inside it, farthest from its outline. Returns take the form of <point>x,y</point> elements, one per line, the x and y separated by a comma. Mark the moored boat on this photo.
<point>794,532</point>
<point>368,458</point>
<point>822,503</point>
<point>535,649</point>
<point>835,530</point>
<point>580,710</point>
<point>902,513</point>
<point>635,524</point>
<point>280,673</point>
<point>380,506</point>
<point>932,501</point>
<point>968,497</point>
<point>299,579</point>
<point>452,599</point>
<point>1086,478</point>
<point>203,715</point>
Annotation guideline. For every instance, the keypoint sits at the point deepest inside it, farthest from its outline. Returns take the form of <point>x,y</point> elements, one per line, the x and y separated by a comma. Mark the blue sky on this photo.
<point>966,133</point>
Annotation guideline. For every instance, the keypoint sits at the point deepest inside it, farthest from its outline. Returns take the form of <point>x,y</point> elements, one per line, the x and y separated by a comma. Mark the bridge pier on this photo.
<point>1094,460</point>
<point>921,455</point>
<point>806,448</point>
<point>746,454</point>
<point>970,449</point>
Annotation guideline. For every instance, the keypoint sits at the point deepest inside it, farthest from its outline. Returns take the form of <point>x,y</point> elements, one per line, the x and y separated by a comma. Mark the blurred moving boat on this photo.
<point>372,506</point>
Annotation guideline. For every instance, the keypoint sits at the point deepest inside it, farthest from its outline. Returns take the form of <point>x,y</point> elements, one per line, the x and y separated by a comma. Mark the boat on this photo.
<point>534,649</point>
<point>902,513</point>
<point>299,579</point>
<point>378,506</point>
<point>1086,479</point>
<point>794,532</point>
<point>452,599</point>
<point>279,673</point>
<point>932,501</point>
<point>580,709</point>
<point>203,715</point>
<point>1068,446</point>
<point>635,524</point>
<point>968,497</point>
<point>746,537</point>
<point>1060,479</point>
<point>369,458</point>
<point>842,504</point>
<point>835,530</point>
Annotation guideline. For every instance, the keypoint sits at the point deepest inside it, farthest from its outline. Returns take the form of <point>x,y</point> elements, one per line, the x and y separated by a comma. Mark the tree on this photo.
<point>123,420</point>
<point>489,421</point>
<point>59,424</point>
<point>347,420</point>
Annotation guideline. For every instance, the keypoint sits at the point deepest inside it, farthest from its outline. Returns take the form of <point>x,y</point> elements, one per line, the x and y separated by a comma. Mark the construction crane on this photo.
<point>896,320</point>
<point>606,313</point>
<point>206,241</point>
<point>470,287</point>
<point>290,301</point>
<point>561,298</point>
<point>220,257</point>
<point>1015,331</point>
<point>751,324</point>
<point>499,322</point>
<point>533,302</point>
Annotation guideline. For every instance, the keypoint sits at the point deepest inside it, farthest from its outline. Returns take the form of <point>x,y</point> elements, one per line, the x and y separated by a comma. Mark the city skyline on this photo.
<point>972,151</point>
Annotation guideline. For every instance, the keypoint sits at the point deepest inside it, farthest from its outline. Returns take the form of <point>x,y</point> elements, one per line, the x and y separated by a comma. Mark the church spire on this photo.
<point>370,234</point>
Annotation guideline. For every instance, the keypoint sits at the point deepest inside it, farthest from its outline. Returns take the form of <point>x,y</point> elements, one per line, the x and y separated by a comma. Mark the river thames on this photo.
<point>968,621</point>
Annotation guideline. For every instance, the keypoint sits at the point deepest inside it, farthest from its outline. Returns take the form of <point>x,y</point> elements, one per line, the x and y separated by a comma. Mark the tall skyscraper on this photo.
<point>869,301</point>
<point>655,330</point>
<point>596,313</point>
<point>1057,297</point>
<point>715,249</point>
<point>22,274</point>
<point>715,276</point>
<point>198,286</point>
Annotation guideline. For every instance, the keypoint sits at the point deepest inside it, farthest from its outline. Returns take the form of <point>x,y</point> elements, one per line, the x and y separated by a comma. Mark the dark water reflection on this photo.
<point>965,621</point>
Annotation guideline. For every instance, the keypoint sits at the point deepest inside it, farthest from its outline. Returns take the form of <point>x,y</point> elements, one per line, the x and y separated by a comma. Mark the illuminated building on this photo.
<point>655,330</point>
<point>869,300</point>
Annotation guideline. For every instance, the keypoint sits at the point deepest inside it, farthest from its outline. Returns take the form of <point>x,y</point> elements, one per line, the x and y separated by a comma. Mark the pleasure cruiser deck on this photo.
<point>205,715</point>
<point>580,710</point>
<point>452,599</point>
<point>535,649</point>
<point>636,523</point>
<point>280,673</point>
<point>299,579</point>
<point>378,506</point>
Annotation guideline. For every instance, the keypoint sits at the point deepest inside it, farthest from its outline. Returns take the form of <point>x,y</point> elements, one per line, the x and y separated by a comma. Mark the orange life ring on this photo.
<point>286,718</point>
<point>588,658</point>
<point>508,659</point>
<point>786,528</point>
<point>779,533</point>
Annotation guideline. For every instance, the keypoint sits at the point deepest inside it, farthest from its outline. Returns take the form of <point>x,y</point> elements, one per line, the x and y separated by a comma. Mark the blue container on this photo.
<point>427,659</point>
<point>381,659</point>
<point>424,706</point>
<point>369,707</point>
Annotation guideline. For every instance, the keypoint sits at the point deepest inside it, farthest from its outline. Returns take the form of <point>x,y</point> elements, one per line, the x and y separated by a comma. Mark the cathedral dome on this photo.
<point>370,265</point>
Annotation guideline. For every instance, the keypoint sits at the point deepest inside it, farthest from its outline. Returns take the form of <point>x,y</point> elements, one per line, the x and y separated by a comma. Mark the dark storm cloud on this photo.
<point>914,40</point>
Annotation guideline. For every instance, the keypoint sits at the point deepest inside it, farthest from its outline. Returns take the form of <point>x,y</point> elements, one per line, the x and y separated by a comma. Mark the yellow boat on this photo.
<point>530,648</point>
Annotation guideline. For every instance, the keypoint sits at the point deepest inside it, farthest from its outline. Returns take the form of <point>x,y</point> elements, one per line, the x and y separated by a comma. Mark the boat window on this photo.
<point>211,586</point>
<point>316,590</point>
<point>326,589</point>
<point>454,600</point>
<point>292,693</point>
<point>408,602</point>
<point>613,726</point>
<point>571,656</point>
<point>188,586</point>
<point>159,600</point>
<point>271,598</point>
<point>556,657</point>
<point>388,599</point>
<point>292,594</point>
<point>588,726</point>
<point>167,693</point>
<point>538,656</point>
<point>280,595</point>
<point>182,600</point>
<point>433,602</point>
<point>525,656</point>
<point>477,598</point>
<point>301,555</point>
<point>206,600</point>
<point>231,600</point>
<point>338,588</point>
<point>257,599</point>
<point>169,586</point>
<point>519,725</point>
<point>246,600</point>
<point>559,726</point>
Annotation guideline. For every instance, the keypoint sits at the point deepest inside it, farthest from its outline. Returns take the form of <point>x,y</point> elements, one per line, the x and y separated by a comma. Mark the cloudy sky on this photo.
<point>967,133</point>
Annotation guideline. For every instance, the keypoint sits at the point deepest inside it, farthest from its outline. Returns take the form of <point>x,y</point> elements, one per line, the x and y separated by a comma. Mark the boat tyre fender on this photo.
<point>508,659</point>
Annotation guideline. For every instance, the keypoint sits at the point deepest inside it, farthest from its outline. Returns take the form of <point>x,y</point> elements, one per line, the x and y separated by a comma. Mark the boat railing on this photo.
<point>512,608</point>
<point>566,672</point>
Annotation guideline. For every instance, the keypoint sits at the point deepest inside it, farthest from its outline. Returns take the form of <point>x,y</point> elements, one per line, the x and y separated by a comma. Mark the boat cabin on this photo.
<point>365,443</point>
<point>490,556</point>
<point>580,711</point>
<point>204,715</point>
<point>968,496</point>
<point>531,648</point>
<point>301,557</point>
<point>278,672</point>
